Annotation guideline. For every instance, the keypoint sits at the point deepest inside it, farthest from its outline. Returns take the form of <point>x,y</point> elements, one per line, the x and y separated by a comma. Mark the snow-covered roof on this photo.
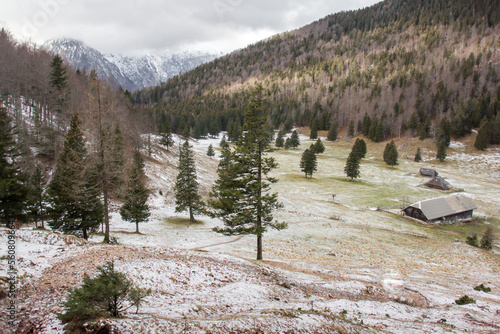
<point>445,206</point>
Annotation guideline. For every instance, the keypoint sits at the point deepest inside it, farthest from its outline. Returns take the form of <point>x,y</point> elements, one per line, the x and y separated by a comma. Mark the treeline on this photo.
<point>67,142</point>
<point>397,58</point>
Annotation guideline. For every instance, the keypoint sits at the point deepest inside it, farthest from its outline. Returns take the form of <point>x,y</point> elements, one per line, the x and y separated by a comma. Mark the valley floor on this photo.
<point>346,265</point>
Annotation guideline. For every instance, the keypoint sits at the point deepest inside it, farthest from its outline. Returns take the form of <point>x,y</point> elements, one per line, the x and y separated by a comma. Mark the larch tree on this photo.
<point>308,163</point>
<point>13,190</point>
<point>242,196</point>
<point>135,208</point>
<point>186,185</point>
<point>74,189</point>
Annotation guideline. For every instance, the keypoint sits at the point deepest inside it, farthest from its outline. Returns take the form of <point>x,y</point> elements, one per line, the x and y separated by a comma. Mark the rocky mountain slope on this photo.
<point>130,73</point>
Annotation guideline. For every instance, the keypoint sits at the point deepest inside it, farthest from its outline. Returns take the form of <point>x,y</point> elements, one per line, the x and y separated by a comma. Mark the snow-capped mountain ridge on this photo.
<point>129,72</point>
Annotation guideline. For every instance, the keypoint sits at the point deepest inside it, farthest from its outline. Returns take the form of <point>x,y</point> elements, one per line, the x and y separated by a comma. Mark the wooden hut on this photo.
<point>438,183</point>
<point>428,172</point>
<point>450,209</point>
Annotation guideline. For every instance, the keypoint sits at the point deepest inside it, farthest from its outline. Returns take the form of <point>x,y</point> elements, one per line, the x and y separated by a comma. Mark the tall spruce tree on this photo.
<point>318,147</point>
<point>37,198</point>
<point>333,131</point>
<point>74,189</point>
<point>359,148</point>
<point>391,154</point>
<point>418,155</point>
<point>294,139</point>
<point>314,129</point>
<point>481,142</point>
<point>350,131</point>
<point>308,163</point>
<point>186,186</point>
<point>58,77</point>
<point>135,208</point>
<point>351,168</point>
<point>13,188</point>
<point>241,197</point>
<point>280,140</point>
<point>441,152</point>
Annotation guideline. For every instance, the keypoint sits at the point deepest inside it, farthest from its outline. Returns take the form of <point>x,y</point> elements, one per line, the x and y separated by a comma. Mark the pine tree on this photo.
<point>288,143</point>
<point>443,132</point>
<point>13,190</point>
<point>318,147</point>
<point>241,197</point>
<point>186,186</point>
<point>210,151</point>
<point>223,142</point>
<point>359,148</point>
<point>280,141</point>
<point>294,139</point>
<point>333,132</point>
<point>135,208</point>
<point>350,131</point>
<point>418,155</point>
<point>74,191</point>
<point>351,168</point>
<point>481,142</point>
<point>441,152</point>
<point>487,239</point>
<point>166,137</point>
<point>314,129</point>
<point>37,197</point>
<point>105,295</point>
<point>391,154</point>
<point>58,77</point>
<point>308,162</point>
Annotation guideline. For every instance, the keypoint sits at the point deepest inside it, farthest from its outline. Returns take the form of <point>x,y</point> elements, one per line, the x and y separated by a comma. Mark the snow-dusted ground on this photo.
<point>341,266</point>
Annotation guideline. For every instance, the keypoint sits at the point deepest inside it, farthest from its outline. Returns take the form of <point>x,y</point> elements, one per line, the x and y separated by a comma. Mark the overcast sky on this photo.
<point>138,26</point>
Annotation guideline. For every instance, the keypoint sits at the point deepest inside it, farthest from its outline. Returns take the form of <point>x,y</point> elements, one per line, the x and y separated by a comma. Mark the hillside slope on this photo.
<point>434,59</point>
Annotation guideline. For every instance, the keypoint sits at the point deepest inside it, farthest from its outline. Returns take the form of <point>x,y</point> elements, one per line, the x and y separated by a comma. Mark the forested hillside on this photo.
<point>65,141</point>
<point>405,65</point>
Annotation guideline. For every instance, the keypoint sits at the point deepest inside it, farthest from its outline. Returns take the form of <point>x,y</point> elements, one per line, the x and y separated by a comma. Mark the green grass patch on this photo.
<point>182,222</point>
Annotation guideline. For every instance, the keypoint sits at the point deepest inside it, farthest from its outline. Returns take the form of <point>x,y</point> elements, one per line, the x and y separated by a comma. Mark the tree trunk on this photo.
<point>106,209</point>
<point>259,246</point>
<point>259,206</point>
<point>191,216</point>
<point>136,227</point>
<point>85,236</point>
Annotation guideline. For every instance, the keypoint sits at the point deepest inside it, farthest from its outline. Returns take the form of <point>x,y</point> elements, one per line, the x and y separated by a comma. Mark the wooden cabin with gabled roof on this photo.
<point>428,172</point>
<point>438,183</point>
<point>449,209</point>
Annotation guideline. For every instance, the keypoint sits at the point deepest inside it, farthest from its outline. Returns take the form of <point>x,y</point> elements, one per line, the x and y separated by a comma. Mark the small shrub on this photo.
<point>464,300</point>
<point>472,240</point>
<point>482,288</point>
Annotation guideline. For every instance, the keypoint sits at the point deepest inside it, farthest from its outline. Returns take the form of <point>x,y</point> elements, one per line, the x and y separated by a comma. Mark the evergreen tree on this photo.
<point>350,131</point>
<point>167,139</point>
<point>391,154</point>
<point>37,197</point>
<point>367,123</point>
<point>481,142</point>
<point>241,197</point>
<point>487,239</point>
<point>418,155</point>
<point>308,162</point>
<point>58,77</point>
<point>441,152</point>
<point>105,295</point>
<point>333,132</point>
<point>443,132</point>
<point>318,147</point>
<point>280,141</point>
<point>223,142</point>
<point>13,190</point>
<point>74,191</point>
<point>351,168</point>
<point>359,148</point>
<point>210,151</point>
<point>135,208</point>
<point>314,129</point>
<point>186,186</point>
<point>288,143</point>
<point>294,139</point>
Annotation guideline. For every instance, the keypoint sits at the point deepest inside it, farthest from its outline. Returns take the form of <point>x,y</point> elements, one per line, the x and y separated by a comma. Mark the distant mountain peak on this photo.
<point>129,72</point>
